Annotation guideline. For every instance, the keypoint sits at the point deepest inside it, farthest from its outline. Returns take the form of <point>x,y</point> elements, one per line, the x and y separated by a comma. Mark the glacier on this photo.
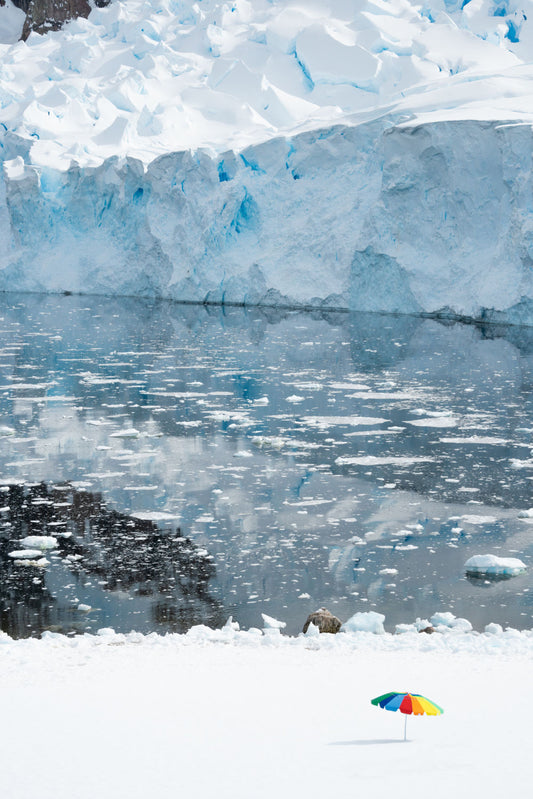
<point>372,156</point>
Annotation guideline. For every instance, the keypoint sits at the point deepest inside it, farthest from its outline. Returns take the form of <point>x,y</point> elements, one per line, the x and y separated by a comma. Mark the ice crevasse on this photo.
<point>291,183</point>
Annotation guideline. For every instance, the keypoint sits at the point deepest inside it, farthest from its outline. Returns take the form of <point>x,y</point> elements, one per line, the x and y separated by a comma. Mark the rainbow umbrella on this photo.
<point>408,704</point>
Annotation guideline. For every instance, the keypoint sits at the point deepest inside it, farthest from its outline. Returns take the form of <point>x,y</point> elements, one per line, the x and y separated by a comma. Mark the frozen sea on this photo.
<point>196,462</point>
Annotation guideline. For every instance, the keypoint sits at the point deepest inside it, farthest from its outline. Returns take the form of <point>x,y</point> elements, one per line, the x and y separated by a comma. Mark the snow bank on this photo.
<point>153,149</point>
<point>228,714</point>
<point>363,634</point>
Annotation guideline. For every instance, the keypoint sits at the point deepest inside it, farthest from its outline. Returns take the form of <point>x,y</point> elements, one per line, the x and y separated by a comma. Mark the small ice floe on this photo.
<point>518,463</point>
<point>6,431</point>
<point>385,460</point>
<point>276,442</point>
<point>433,418</point>
<point>261,401</point>
<point>370,622</point>
<point>155,516</point>
<point>526,514</point>
<point>494,566</point>
<point>128,432</point>
<point>388,571</point>
<point>29,557</point>
<point>25,554</point>
<point>39,542</point>
<point>293,398</point>
<point>470,518</point>
<point>84,608</point>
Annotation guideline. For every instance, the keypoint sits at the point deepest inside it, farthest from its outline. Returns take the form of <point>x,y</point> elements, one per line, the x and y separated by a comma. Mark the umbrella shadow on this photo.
<point>369,742</point>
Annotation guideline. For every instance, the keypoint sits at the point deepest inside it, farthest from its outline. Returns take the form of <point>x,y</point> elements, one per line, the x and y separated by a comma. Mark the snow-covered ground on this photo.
<point>371,156</point>
<point>142,78</point>
<point>240,714</point>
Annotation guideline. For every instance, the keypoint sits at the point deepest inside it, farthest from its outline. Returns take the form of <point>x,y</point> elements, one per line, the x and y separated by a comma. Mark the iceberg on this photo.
<point>360,157</point>
<point>494,566</point>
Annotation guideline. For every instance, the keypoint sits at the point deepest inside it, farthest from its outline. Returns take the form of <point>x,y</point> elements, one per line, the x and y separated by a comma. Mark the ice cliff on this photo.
<point>372,155</point>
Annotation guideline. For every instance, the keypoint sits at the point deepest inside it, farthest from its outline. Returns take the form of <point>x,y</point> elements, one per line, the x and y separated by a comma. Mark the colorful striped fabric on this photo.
<point>408,703</point>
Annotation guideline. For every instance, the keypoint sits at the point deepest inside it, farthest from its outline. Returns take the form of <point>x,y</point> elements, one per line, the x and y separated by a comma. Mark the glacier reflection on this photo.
<point>353,461</point>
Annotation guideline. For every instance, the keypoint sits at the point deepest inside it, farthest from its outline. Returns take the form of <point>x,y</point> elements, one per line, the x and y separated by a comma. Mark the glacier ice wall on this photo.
<point>376,217</point>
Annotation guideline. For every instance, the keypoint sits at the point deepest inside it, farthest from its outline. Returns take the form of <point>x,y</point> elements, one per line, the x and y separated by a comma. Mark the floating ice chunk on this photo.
<point>492,564</point>
<point>84,608</point>
<point>376,460</point>
<point>39,542</point>
<point>40,563</point>
<point>388,571</point>
<point>269,441</point>
<point>129,432</point>
<point>26,554</point>
<point>351,421</point>
<point>526,514</point>
<point>6,431</point>
<point>473,519</point>
<point>434,421</point>
<point>370,622</point>
<point>155,516</point>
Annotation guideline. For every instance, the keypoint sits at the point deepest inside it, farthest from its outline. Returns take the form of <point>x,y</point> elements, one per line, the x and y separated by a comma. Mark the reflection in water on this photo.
<point>126,554</point>
<point>354,461</point>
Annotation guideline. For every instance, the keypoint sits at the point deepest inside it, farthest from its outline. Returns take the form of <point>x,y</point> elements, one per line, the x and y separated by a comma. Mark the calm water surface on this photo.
<point>194,463</point>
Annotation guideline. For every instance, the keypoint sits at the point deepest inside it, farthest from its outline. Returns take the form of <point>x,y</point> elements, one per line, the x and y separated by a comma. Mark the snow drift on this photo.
<point>373,157</point>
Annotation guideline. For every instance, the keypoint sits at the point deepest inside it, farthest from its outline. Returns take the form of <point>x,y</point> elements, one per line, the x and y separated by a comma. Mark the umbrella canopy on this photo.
<point>414,704</point>
<point>408,703</point>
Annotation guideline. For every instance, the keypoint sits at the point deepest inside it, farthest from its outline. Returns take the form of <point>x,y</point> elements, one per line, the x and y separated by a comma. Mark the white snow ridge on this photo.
<point>154,148</point>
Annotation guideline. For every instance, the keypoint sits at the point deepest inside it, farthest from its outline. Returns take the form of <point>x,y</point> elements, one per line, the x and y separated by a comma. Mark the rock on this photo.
<point>324,620</point>
<point>47,15</point>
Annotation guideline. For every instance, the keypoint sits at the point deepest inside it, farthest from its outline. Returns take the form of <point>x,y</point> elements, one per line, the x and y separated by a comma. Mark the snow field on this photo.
<point>112,716</point>
<point>142,78</point>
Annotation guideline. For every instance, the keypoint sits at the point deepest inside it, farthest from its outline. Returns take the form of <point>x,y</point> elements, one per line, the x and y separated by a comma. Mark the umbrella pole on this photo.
<point>405,728</point>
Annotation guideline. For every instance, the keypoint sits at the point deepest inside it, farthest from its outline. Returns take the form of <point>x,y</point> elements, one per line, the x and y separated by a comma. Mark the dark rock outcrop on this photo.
<point>324,620</point>
<point>49,15</point>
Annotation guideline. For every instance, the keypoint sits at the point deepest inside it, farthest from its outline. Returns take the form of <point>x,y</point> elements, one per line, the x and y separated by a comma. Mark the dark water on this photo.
<point>194,463</point>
